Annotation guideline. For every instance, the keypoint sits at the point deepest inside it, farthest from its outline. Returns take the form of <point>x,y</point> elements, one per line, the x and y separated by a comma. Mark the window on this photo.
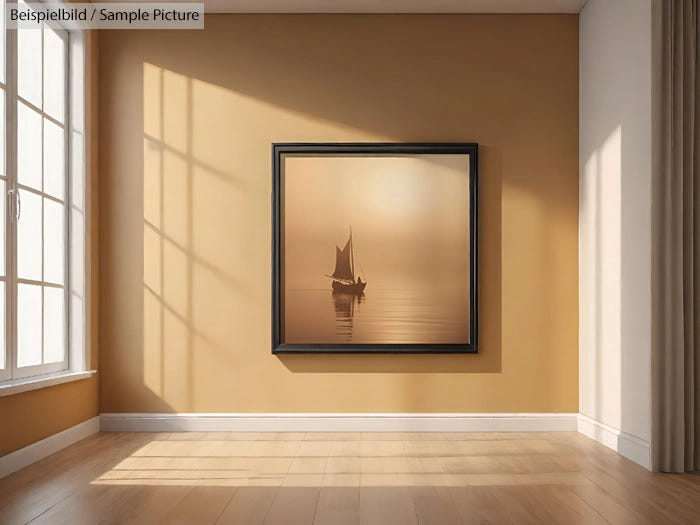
<point>41,293</point>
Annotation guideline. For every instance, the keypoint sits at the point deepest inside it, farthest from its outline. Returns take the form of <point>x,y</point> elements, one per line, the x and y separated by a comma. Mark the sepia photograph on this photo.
<point>375,248</point>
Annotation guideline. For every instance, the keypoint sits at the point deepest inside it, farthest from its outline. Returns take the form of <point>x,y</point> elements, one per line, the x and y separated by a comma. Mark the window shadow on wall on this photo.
<point>191,297</point>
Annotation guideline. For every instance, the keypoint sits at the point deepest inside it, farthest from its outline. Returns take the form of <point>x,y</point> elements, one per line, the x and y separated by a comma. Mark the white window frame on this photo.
<point>6,372</point>
<point>76,222</point>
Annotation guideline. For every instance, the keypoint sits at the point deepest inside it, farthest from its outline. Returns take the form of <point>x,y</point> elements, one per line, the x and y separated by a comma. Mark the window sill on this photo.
<point>17,386</point>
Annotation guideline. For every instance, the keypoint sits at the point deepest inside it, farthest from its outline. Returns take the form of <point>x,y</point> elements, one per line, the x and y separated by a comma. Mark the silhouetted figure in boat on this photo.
<point>344,275</point>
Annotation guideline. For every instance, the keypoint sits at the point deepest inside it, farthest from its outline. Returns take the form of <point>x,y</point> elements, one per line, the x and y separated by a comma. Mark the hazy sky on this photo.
<point>409,218</point>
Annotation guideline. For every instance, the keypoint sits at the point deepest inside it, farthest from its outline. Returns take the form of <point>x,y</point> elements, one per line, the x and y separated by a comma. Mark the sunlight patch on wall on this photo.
<point>175,278</point>
<point>152,342</point>
<point>176,106</point>
<point>152,166</point>
<point>176,197</point>
<point>600,359</point>
<point>188,267</point>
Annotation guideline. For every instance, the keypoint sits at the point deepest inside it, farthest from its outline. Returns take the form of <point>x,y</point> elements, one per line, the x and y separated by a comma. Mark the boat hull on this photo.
<point>355,288</point>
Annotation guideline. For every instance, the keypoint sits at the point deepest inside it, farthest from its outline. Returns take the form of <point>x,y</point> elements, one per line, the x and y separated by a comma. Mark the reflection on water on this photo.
<point>344,312</point>
<point>376,317</point>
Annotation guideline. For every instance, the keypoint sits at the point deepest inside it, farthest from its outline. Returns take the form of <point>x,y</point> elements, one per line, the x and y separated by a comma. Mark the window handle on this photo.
<point>11,207</point>
<point>19,205</point>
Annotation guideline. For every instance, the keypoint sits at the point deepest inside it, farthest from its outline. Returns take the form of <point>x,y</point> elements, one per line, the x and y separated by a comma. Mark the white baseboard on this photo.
<point>627,445</point>
<point>23,457</point>
<point>322,422</point>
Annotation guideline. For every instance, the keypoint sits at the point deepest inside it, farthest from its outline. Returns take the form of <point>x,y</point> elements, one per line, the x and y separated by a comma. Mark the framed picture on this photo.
<point>374,248</point>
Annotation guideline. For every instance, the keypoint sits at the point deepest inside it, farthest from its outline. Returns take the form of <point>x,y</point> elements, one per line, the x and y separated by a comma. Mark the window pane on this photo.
<point>29,236</point>
<point>3,200</point>
<point>28,147</point>
<point>54,164</point>
<point>3,168</point>
<point>2,45</point>
<point>54,341</point>
<point>53,242</point>
<point>29,65</point>
<point>3,363</point>
<point>28,325</point>
<point>54,74</point>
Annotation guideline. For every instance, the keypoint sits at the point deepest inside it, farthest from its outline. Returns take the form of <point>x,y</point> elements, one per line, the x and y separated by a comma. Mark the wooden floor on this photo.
<point>338,478</point>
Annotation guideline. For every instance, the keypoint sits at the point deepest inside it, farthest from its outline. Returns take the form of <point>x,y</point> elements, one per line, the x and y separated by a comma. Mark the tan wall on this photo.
<point>40,413</point>
<point>187,119</point>
<point>31,416</point>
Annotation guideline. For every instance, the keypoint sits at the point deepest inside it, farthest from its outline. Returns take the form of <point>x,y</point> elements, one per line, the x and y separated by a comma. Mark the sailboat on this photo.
<point>344,275</point>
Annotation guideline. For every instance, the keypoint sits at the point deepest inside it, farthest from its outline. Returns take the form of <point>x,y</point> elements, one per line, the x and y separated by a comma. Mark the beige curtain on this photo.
<point>676,237</point>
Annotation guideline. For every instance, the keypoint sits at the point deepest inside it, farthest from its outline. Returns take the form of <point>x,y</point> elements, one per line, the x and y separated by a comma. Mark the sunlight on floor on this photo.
<point>346,460</point>
<point>339,478</point>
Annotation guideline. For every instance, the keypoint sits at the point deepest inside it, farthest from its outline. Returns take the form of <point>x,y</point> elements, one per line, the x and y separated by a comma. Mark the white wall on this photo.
<point>615,224</point>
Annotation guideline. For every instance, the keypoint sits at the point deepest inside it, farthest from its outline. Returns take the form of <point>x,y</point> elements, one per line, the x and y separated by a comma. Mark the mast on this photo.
<point>352,256</point>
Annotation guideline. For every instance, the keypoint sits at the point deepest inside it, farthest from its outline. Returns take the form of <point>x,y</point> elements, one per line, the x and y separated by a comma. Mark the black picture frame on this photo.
<point>279,150</point>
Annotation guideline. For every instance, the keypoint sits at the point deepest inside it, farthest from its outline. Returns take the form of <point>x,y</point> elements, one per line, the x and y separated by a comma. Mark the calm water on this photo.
<point>378,316</point>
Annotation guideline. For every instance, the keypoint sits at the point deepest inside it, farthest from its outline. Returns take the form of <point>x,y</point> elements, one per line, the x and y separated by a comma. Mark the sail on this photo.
<point>343,268</point>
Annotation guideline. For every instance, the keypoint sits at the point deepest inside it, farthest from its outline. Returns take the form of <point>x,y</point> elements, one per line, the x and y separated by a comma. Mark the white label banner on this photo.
<point>166,15</point>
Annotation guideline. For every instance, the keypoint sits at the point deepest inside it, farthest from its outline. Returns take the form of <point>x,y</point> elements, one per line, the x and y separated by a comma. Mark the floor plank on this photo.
<point>478,505</point>
<point>386,506</point>
<point>201,505</point>
<point>338,500</point>
<point>248,505</point>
